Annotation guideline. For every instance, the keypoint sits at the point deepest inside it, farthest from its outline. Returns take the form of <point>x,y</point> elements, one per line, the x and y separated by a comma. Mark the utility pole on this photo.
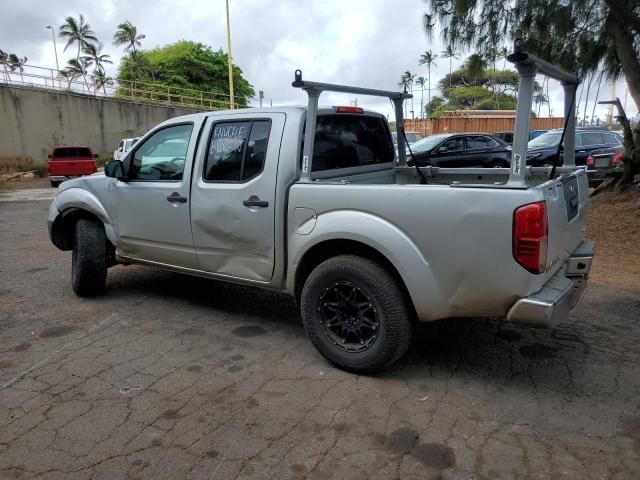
<point>231,101</point>
<point>55,50</point>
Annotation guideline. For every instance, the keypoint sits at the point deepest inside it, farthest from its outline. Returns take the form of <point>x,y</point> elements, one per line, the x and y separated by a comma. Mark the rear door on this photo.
<point>234,193</point>
<point>478,150</point>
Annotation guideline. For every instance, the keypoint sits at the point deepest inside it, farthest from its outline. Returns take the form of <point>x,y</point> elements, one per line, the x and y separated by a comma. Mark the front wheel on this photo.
<point>89,259</point>
<point>356,314</point>
<point>55,184</point>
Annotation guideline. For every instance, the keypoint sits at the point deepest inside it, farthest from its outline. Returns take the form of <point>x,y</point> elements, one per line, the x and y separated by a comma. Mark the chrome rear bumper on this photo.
<point>559,295</point>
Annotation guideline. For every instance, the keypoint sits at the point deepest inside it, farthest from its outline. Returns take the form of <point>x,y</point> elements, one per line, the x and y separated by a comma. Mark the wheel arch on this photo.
<point>360,233</point>
<point>332,248</point>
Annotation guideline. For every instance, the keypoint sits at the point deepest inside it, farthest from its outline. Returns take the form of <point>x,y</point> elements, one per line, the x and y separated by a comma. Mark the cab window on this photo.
<point>162,156</point>
<point>345,140</point>
<point>237,151</point>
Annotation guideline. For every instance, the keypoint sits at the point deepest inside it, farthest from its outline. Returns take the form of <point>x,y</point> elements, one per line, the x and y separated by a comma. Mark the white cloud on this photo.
<point>359,42</point>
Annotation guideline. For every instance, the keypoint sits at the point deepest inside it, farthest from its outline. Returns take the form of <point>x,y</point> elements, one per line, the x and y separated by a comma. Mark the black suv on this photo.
<point>542,150</point>
<point>461,150</point>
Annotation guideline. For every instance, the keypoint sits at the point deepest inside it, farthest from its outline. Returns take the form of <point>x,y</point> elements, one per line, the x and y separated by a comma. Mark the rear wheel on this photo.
<point>89,259</point>
<point>356,314</point>
<point>499,164</point>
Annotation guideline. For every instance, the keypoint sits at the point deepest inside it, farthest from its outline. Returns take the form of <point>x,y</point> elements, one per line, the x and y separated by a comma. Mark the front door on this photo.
<point>234,195</point>
<point>450,154</point>
<point>151,209</point>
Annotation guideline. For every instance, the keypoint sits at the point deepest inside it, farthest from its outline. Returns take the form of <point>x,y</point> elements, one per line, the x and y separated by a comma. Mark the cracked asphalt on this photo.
<point>173,377</point>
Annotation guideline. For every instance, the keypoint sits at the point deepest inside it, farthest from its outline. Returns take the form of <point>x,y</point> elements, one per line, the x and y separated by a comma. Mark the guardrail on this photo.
<point>34,76</point>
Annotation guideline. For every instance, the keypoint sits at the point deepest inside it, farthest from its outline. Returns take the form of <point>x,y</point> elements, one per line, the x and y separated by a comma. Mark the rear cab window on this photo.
<point>65,153</point>
<point>351,140</point>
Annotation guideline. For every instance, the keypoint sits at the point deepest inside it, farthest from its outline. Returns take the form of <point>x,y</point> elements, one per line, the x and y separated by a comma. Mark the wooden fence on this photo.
<point>477,124</point>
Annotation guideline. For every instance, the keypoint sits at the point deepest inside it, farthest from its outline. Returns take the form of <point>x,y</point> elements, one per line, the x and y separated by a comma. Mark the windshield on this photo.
<point>413,137</point>
<point>427,143</point>
<point>549,139</point>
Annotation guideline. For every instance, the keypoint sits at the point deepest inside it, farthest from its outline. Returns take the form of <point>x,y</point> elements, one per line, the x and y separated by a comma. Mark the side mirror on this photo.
<point>49,156</point>
<point>114,169</point>
<point>95,155</point>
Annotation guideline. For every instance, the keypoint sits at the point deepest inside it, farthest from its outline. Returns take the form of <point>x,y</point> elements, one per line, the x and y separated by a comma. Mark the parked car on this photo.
<point>123,147</point>
<point>508,136</point>
<point>599,162</point>
<point>361,243</point>
<point>69,161</point>
<point>542,151</point>
<point>461,150</point>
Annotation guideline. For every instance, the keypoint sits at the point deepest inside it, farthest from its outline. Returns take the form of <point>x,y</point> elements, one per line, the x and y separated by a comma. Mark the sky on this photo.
<point>367,43</point>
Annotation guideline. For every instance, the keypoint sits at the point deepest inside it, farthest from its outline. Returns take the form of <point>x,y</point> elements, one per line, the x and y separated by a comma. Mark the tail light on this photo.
<point>348,109</point>
<point>617,158</point>
<point>590,161</point>
<point>530,236</point>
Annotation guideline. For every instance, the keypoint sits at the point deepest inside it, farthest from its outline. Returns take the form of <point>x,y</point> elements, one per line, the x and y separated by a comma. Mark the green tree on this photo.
<point>428,59</point>
<point>187,68</point>
<point>584,36</point>
<point>78,32</point>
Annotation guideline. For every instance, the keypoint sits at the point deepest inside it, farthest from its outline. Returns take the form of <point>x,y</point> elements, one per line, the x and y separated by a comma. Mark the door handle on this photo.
<point>254,201</point>
<point>175,197</point>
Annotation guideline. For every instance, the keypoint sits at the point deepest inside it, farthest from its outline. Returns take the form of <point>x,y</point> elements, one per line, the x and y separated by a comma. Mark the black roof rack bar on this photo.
<point>314,89</point>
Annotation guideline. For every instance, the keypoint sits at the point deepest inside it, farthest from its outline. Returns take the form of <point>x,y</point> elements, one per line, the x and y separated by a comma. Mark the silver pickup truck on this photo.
<point>313,202</point>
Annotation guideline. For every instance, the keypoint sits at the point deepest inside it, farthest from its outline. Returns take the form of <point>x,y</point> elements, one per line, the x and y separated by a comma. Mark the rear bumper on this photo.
<point>559,295</point>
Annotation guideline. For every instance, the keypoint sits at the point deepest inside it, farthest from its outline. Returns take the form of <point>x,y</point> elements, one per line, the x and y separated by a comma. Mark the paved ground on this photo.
<point>175,377</point>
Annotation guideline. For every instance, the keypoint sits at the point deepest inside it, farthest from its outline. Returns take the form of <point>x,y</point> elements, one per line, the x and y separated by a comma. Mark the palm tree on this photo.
<point>17,63</point>
<point>539,99</point>
<point>404,83</point>
<point>101,80</point>
<point>127,34</point>
<point>410,79</point>
<point>77,68</point>
<point>428,59</point>
<point>421,82</point>
<point>4,60</point>
<point>93,54</point>
<point>450,53</point>
<point>78,32</point>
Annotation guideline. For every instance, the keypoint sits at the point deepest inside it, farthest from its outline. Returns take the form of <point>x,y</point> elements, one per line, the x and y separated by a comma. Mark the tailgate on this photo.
<point>567,199</point>
<point>75,167</point>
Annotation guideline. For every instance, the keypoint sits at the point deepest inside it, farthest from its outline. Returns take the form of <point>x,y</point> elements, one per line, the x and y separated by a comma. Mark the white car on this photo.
<point>123,147</point>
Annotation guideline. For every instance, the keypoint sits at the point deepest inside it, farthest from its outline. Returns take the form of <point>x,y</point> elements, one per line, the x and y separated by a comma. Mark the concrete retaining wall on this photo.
<point>32,120</point>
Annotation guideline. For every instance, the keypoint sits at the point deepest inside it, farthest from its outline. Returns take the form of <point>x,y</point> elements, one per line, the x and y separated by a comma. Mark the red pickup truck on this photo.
<point>69,161</point>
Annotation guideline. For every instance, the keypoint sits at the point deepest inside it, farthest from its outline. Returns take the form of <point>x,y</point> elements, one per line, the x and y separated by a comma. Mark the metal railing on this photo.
<point>40,77</point>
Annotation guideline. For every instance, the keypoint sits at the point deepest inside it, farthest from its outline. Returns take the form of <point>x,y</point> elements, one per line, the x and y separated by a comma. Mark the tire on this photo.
<point>54,184</point>
<point>89,258</point>
<point>386,322</point>
<point>499,164</point>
